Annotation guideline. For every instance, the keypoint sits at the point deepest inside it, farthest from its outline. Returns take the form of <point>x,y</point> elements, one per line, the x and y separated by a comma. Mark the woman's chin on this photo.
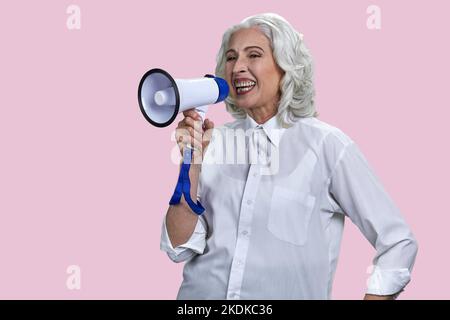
<point>244,103</point>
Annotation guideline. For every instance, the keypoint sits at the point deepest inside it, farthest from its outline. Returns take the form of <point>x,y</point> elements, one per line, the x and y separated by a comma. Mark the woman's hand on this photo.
<point>190,130</point>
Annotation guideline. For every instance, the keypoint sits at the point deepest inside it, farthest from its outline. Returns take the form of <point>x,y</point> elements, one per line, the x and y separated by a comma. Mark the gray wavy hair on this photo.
<point>291,55</point>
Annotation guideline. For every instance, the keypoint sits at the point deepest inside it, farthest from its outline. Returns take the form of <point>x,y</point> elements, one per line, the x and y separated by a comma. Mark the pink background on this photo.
<point>85,180</point>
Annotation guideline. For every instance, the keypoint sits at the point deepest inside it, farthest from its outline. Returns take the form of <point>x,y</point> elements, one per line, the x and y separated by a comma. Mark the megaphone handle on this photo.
<point>202,112</point>
<point>183,186</point>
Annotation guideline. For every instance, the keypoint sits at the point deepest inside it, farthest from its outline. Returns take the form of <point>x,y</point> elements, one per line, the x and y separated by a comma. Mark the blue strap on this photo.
<point>183,186</point>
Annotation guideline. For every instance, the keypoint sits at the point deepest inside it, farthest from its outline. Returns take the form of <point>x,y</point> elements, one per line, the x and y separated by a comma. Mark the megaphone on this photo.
<point>162,97</point>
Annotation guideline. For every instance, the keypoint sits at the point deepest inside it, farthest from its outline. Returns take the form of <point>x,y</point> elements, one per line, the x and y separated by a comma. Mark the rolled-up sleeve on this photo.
<point>195,245</point>
<point>358,191</point>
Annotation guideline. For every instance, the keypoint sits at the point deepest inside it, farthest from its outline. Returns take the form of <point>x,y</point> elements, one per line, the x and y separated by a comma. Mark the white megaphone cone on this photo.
<point>162,97</point>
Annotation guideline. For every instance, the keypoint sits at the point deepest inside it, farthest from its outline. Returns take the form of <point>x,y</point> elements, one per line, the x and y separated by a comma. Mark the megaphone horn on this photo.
<point>162,97</point>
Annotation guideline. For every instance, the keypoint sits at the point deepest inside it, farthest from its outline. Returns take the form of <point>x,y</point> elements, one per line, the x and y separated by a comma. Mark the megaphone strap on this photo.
<point>176,197</point>
<point>183,186</point>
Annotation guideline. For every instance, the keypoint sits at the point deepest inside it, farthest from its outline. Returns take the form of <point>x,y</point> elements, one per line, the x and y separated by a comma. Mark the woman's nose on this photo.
<point>240,66</point>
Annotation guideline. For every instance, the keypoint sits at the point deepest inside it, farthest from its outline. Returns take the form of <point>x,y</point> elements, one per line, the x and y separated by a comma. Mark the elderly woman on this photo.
<point>275,233</point>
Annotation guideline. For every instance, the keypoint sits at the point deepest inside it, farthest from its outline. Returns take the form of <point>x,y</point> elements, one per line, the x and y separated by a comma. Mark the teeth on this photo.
<point>244,84</point>
<point>244,89</point>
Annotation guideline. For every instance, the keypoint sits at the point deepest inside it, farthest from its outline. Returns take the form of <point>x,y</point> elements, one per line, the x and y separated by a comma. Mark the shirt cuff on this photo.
<point>196,242</point>
<point>385,282</point>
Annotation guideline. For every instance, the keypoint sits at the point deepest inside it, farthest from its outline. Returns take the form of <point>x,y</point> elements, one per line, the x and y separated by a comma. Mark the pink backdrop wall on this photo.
<point>85,180</point>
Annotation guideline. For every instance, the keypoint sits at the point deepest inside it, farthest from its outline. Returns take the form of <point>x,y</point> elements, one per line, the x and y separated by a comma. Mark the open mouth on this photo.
<point>244,87</point>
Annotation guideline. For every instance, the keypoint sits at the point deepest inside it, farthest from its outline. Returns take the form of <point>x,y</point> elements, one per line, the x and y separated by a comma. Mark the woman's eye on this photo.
<point>230,58</point>
<point>254,56</point>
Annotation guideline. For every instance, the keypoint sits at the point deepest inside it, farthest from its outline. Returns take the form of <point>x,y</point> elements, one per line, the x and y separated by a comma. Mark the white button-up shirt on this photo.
<point>272,230</point>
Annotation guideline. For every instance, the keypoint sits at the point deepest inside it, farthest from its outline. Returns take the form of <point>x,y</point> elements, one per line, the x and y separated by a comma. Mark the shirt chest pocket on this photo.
<point>290,214</point>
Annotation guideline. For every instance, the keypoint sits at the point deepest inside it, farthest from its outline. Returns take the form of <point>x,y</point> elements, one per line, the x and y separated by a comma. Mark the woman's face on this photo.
<point>251,71</point>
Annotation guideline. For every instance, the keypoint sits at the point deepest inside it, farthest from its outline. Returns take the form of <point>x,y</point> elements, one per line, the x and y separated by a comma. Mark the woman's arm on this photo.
<point>180,219</point>
<point>362,197</point>
<point>183,227</point>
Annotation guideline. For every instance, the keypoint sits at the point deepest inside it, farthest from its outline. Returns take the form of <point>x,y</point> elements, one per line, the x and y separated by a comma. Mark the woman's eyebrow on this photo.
<point>246,49</point>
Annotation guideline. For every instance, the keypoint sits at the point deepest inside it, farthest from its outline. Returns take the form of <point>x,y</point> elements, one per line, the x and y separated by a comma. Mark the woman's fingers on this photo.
<point>192,113</point>
<point>191,130</point>
<point>208,127</point>
<point>184,141</point>
<point>185,135</point>
<point>196,125</point>
<point>208,124</point>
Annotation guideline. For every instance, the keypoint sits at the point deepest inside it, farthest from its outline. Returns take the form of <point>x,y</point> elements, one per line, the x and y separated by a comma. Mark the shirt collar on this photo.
<point>271,128</point>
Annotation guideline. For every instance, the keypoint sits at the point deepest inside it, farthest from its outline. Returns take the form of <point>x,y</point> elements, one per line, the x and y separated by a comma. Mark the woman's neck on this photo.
<point>261,115</point>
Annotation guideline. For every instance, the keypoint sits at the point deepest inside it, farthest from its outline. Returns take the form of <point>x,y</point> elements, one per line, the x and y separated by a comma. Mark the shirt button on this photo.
<point>255,174</point>
<point>249,202</point>
<point>245,232</point>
